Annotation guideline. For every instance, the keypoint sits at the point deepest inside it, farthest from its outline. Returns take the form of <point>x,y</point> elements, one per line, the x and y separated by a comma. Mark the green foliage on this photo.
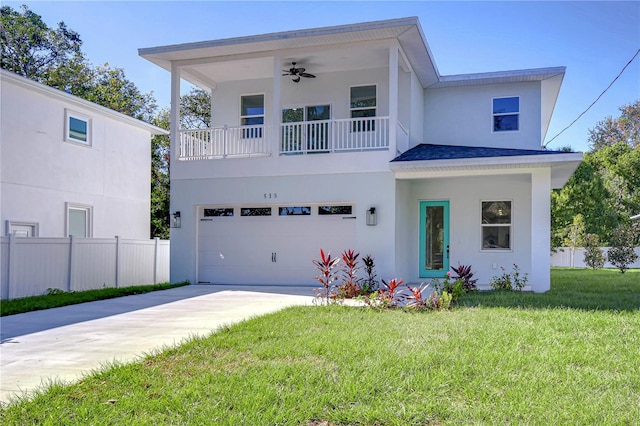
<point>513,280</point>
<point>593,255</point>
<point>605,188</point>
<point>625,129</point>
<point>32,49</point>
<point>195,110</point>
<point>622,253</point>
<point>160,182</point>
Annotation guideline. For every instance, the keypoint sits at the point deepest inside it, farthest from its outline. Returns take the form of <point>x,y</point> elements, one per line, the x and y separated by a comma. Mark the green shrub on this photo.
<point>593,255</point>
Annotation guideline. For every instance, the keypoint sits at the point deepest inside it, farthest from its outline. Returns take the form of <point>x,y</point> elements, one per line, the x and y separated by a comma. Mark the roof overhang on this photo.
<point>562,167</point>
<point>406,31</point>
<point>34,86</point>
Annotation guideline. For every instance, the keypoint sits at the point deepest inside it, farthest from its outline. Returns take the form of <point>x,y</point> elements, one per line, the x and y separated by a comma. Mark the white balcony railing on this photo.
<point>222,142</point>
<point>342,135</point>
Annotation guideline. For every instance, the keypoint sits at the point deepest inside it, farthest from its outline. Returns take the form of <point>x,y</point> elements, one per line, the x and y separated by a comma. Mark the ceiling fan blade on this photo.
<point>299,70</point>
<point>304,74</point>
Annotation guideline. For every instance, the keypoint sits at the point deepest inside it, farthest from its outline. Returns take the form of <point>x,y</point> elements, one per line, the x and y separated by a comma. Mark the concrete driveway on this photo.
<point>66,343</point>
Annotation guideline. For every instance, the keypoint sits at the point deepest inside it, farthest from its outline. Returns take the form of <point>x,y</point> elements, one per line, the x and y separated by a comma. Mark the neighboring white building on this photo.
<point>69,166</point>
<point>366,148</point>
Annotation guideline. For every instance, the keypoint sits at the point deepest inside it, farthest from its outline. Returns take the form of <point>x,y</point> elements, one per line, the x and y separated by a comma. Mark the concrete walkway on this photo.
<point>66,343</point>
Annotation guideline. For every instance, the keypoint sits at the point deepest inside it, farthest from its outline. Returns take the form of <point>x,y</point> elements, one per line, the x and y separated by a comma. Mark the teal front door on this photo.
<point>434,239</point>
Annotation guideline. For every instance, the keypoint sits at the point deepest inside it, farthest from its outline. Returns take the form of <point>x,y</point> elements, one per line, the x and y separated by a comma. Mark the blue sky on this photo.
<point>594,40</point>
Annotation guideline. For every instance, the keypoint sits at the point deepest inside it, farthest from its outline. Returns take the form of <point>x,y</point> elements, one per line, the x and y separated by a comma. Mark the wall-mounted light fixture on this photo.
<point>176,222</point>
<point>372,217</point>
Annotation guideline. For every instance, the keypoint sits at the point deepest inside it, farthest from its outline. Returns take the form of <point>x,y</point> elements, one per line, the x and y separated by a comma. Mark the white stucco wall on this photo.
<point>463,116</point>
<point>40,172</point>
<point>465,195</point>
<point>363,190</point>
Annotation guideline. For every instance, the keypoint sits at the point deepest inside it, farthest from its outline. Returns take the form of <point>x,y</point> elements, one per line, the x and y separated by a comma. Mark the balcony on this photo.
<point>298,138</point>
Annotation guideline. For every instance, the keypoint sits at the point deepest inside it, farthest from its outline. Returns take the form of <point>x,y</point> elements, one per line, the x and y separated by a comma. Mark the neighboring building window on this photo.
<point>506,114</point>
<point>255,211</point>
<point>79,221</point>
<point>22,229</point>
<point>295,211</point>
<point>226,211</point>
<point>496,225</point>
<point>77,128</point>
<point>363,104</point>
<point>252,114</point>
<point>329,210</point>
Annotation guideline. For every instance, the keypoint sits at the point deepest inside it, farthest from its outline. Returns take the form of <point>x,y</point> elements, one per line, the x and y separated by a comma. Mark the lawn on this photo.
<point>61,298</point>
<point>570,356</point>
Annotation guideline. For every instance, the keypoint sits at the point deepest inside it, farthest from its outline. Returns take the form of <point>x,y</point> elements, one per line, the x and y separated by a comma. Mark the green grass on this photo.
<point>567,357</point>
<point>48,301</point>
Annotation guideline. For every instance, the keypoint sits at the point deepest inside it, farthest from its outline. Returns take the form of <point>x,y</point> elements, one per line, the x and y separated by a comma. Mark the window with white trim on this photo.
<point>22,229</point>
<point>496,225</point>
<point>79,220</point>
<point>506,114</point>
<point>362,103</point>
<point>77,128</point>
<point>252,115</point>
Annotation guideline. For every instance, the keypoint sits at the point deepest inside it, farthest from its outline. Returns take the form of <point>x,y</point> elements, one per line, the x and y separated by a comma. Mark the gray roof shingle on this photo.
<point>426,152</point>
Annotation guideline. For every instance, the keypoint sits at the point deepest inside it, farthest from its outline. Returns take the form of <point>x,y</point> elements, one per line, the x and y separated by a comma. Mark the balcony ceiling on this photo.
<point>319,50</point>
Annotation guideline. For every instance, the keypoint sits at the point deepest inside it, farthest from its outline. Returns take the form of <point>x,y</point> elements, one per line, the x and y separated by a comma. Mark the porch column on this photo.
<point>175,112</point>
<point>393,98</point>
<point>540,277</point>
<point>273,134</point>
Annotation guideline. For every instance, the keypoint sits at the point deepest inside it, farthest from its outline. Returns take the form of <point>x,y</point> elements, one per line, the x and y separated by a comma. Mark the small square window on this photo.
<point>22,229</point>
<point>77,128</point>
<point>79,221</point>
<point>506,114</point>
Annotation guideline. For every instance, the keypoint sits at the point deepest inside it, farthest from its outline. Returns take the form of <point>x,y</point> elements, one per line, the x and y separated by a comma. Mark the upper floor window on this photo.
<point>506,114</point>
<point>363,104</point>
<point>252,114</point>
<point>77,128</point>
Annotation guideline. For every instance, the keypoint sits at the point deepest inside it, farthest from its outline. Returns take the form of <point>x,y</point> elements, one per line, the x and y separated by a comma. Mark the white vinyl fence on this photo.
<point>31,266</point>
<point>562,257</point>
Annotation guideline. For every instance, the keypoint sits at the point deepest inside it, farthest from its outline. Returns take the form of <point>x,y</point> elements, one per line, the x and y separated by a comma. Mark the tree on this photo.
<point>575,235</point>
<point>195,110</point>
<point>160,161</point>
<point>593,255</point>
<point>622,252</point>
<point>625,128</point>
<point>32,49</point>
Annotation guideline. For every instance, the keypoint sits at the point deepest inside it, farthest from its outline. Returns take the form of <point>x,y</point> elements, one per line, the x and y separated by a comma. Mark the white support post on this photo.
<point>13,264</point>
<point>540,277</point>
<point>118,253</point>
<point>155,259</point>
<point>274,135</point>
<point>175,112</point>
<point>393,98</point>
<point>72,249</point>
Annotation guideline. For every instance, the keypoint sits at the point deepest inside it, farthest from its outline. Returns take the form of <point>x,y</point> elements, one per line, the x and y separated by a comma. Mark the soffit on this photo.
<point>344,38</point>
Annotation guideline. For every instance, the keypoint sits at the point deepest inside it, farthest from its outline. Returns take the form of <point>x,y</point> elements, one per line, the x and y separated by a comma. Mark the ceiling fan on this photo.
<point>296,73</point>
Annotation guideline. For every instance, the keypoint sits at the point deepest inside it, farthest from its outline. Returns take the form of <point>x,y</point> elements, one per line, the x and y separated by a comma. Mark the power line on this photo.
<point>594,102</point>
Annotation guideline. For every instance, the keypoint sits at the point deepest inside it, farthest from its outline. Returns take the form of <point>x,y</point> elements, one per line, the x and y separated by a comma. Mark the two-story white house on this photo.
<point>69,166</point>
<point>348,137</point>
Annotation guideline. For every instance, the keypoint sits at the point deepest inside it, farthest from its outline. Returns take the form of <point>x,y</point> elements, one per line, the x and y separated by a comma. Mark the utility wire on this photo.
<point>594,102</point>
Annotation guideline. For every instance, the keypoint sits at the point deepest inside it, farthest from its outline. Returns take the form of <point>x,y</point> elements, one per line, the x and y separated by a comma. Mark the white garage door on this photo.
<point>270,244</point>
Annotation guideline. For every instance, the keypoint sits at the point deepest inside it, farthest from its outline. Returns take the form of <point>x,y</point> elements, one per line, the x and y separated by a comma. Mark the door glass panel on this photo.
<point>434,235</point>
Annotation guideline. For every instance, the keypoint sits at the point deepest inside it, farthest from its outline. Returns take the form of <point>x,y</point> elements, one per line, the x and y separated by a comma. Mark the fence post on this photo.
<point>12,266</point>
<point>72,249</point>
<point>155,260</point>
<point>117,283</point>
